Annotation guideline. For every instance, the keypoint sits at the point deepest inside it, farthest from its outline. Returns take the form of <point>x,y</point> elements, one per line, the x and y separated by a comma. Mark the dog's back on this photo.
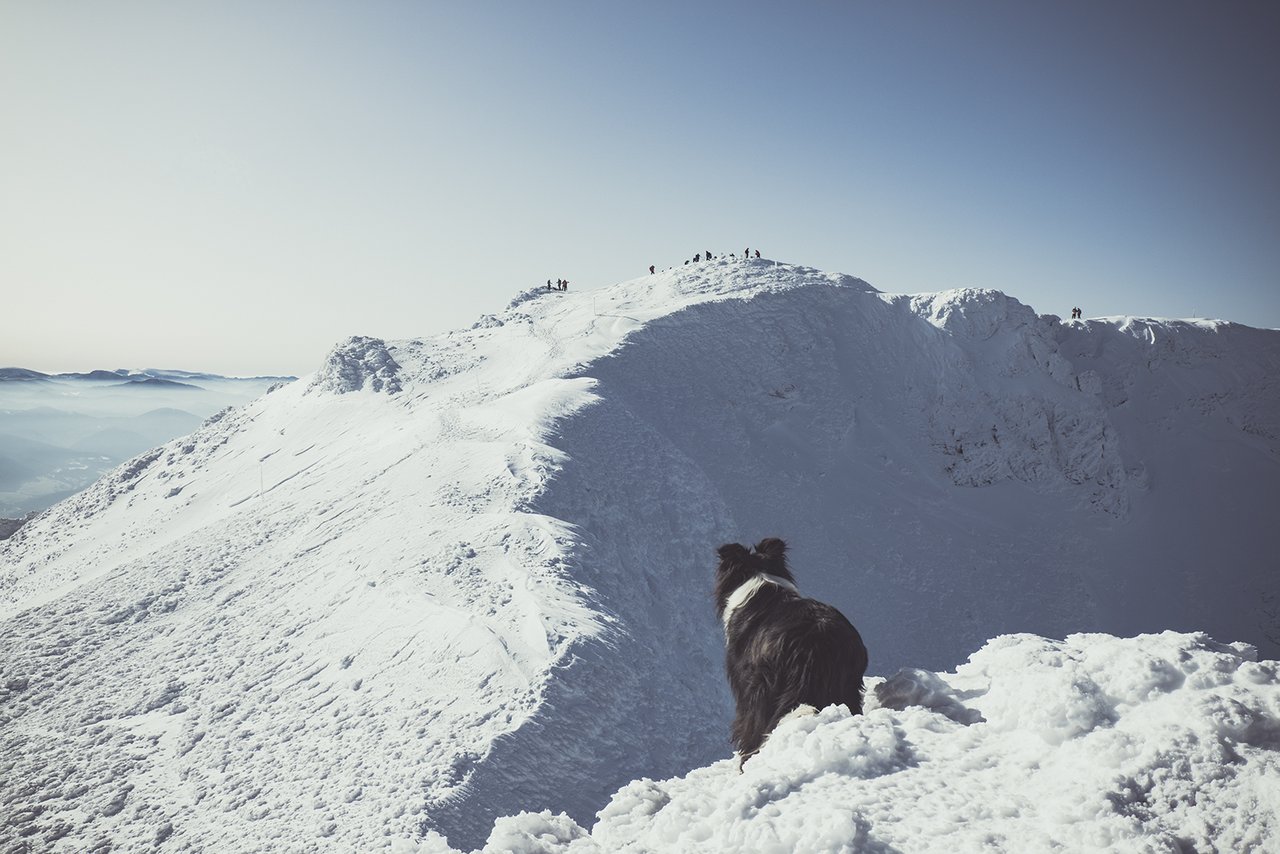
<point>782,650</point>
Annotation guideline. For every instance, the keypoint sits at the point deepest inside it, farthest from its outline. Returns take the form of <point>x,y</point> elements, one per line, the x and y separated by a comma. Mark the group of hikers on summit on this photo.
<point>707,256</point>
<point>563,284</point>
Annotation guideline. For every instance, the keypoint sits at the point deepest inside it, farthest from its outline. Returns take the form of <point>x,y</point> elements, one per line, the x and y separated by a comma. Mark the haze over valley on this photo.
<point>60,432</point>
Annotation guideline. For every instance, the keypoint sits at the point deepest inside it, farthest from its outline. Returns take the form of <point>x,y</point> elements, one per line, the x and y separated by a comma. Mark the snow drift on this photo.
<point>451,579</point>
<point>1158,743</point>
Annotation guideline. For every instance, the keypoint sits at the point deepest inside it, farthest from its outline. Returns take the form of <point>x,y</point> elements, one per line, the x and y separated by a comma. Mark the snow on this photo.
<point>447,580</point>
<point>1156,743</point>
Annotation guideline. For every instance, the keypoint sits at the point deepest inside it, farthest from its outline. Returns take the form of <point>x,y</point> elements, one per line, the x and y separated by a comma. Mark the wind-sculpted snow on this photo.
<point>1012,408</point>
<point>1164,742</point>
<point>357,363</point>
<point>454,578</point>
<point>1179,366</point>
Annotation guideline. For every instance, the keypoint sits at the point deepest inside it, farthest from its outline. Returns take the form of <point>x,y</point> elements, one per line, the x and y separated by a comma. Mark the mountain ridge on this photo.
<point>469,574</point>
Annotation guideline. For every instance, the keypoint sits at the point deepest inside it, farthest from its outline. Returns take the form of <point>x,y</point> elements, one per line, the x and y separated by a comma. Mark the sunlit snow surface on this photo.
<point>1165,742</point>
<point>445,580</point>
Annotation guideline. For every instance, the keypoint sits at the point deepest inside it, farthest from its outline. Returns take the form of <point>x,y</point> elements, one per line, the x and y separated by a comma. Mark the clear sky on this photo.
<point>235,186</point>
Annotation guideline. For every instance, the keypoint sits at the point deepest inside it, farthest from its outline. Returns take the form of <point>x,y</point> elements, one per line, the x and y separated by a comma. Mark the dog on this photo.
<point>782,651</point>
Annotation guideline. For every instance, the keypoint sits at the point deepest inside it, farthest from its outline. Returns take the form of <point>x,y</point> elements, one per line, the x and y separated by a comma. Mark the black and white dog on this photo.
<point>781,649</point>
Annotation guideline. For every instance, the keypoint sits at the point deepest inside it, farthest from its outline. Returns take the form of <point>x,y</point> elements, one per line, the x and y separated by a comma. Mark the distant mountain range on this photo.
<point>152,376</point>
<point>60,432</point>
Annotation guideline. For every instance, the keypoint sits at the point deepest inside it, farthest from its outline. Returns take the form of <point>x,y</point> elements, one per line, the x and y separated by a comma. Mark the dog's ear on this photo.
<point>734,552</point>
<point>772,547</point>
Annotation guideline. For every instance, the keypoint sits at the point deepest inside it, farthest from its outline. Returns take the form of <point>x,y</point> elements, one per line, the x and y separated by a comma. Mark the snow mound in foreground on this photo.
<point>1156,743</point>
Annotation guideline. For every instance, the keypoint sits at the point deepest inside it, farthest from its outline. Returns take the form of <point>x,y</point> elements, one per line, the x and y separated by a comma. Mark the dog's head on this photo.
<point>738,564</point>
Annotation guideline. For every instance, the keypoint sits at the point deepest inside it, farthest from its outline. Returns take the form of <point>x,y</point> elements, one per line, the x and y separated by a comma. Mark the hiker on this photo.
<point>746,253</point>
<point>710,256</point>
<point>565,286</point>
<point>757,253</point>
<point>650,269</point>
<point>548,284</point>
<point>697,258</point>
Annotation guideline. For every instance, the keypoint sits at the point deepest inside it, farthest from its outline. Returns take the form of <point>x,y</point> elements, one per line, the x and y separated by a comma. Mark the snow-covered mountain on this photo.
<point>446,580</point>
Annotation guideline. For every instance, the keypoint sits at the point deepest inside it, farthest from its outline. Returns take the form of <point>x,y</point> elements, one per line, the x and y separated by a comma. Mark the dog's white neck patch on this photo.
<point>739,597</point>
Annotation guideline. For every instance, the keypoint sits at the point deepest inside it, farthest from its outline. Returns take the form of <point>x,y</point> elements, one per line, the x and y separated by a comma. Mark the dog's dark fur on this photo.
<point>781,649</point>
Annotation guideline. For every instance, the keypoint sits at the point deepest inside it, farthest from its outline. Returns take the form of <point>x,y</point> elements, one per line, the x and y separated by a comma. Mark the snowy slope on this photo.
<point>446,580</point>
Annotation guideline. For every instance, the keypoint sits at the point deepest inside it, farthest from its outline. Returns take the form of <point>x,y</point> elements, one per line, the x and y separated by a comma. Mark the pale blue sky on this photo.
<point>236,186</point>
